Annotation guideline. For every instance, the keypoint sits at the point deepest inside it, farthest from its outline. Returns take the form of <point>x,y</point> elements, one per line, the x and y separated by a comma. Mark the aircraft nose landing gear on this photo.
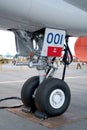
<point>44,94</point>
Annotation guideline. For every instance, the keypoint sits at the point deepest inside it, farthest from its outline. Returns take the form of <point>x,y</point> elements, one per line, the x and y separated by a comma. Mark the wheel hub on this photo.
<point>57,98</point>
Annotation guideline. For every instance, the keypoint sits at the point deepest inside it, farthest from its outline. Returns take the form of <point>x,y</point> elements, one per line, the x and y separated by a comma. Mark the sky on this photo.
<point>71,44</point>
<point>7,43</point>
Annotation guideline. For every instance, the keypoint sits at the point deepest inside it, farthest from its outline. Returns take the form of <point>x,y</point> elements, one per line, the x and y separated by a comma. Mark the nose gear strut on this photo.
<point>49,96</point>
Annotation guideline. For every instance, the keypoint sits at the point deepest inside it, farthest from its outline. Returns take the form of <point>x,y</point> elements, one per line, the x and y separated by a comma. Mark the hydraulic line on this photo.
<point>10,98</point>
<point>67,58</point>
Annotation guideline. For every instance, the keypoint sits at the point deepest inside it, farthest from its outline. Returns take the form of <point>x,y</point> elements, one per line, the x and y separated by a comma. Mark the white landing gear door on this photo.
<point>53,42</point>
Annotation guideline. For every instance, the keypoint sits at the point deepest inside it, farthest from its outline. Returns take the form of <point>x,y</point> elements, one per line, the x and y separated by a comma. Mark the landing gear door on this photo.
<point>53,42</point>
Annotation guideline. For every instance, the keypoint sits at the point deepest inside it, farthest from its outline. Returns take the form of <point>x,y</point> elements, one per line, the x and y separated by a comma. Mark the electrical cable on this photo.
<point>67,57</point>
<point>10,98</point>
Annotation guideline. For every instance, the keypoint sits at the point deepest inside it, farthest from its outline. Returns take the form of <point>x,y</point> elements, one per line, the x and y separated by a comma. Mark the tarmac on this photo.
<point>12,79</point>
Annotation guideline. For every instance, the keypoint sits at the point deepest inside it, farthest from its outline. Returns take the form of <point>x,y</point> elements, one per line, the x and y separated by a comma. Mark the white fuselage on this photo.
<point>32,15</point>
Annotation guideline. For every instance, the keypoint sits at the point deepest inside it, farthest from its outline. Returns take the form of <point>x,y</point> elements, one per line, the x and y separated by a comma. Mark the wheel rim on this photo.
<point>57,98</point>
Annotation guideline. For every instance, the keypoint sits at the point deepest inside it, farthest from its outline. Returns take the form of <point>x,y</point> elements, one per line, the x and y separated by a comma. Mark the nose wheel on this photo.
<point>28,91</point>
<point>52,96</point>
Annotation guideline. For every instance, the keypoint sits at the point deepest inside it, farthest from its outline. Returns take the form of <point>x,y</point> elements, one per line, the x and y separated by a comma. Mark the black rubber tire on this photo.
<point>28,90</point>
<point>43,94</point>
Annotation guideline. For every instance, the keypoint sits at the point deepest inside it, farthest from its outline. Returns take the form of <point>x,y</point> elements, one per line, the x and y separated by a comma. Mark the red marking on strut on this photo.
<point>54,51</point>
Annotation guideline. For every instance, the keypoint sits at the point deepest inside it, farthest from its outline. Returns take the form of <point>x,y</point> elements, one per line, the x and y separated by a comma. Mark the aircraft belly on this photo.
<point>16,14</point>
<point>35,14</point>
<point>60,15</point>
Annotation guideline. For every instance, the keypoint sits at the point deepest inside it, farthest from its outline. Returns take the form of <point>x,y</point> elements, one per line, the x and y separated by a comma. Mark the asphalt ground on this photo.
<point>12,79</point>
